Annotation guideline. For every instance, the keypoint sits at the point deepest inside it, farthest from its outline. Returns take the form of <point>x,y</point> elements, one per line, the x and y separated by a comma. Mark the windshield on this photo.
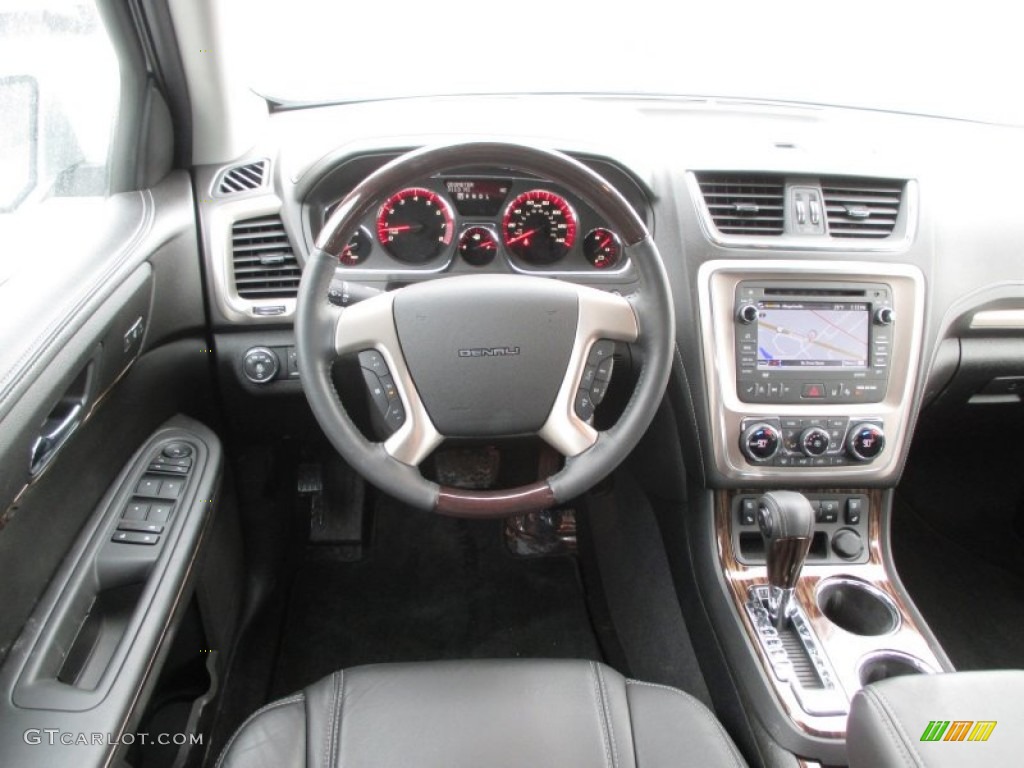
<point>903,55</point>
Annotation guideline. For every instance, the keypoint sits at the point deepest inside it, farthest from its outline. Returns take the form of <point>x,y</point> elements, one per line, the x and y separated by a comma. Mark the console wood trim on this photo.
<point>845,650</point>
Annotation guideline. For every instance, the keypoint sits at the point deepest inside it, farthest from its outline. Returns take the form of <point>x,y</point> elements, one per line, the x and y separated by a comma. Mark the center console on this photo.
<point>810,367</point>
<point>811,370</point>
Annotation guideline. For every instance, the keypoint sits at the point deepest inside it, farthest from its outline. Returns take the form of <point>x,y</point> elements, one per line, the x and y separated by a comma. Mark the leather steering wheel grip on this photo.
<point>316,321</point>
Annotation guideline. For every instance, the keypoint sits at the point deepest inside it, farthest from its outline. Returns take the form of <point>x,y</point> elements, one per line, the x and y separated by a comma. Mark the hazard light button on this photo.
<point>813,391</point>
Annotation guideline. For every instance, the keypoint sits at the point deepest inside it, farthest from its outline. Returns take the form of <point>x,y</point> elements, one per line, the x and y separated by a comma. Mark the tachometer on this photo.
<point>539,227</point>
<point>414,224</point>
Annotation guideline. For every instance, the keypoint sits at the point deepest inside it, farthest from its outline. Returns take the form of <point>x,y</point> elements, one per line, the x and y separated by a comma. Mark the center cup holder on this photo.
<point>885,664</point>
<point>857,607</point>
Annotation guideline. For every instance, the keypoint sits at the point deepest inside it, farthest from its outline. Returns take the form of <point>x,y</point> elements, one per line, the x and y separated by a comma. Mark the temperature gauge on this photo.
<point>358,248</point>
<point>477,245</point>
<point>602,248</point>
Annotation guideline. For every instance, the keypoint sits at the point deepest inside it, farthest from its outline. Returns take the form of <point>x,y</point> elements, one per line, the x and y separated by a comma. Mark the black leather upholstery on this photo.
<point>888,719</point>
<point>482,713</point>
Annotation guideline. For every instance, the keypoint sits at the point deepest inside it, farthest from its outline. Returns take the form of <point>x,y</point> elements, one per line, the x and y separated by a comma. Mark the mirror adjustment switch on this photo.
<point>135,537</point>
<point>177,450</point>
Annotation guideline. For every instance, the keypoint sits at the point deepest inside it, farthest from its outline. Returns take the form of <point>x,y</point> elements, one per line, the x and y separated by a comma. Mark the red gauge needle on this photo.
<point>405,228</point>
<point>523,236</point>
<point>607,240</point>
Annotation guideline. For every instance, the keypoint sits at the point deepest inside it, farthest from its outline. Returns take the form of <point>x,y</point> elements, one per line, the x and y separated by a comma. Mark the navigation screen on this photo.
<point>820,335</point>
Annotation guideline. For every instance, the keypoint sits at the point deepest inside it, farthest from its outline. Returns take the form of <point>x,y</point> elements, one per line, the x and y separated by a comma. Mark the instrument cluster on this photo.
<point>479,221</point>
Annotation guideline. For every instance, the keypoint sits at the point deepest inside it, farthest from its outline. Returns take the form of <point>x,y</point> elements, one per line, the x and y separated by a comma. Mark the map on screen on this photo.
<point>827,337</point>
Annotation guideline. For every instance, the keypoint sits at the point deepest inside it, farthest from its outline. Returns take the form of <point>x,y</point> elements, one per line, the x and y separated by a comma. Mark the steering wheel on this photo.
<point>485,355</point>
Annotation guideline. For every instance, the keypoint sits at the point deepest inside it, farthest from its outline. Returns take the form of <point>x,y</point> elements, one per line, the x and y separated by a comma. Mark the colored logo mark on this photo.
<point>958,730</point>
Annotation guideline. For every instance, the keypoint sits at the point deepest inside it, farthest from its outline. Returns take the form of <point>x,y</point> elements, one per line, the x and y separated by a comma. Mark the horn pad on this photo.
<point>488,353</point>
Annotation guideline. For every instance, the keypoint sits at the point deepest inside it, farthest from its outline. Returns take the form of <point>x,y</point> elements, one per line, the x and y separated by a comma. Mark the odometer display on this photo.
<point>414,224</point>
<point>539,227</point>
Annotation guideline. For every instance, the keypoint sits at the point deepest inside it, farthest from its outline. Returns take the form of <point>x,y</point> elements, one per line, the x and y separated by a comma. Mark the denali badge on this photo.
<point>489,352</point>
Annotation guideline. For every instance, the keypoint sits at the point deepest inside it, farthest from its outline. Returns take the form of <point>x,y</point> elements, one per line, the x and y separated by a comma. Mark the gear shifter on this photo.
<point>786,521</point>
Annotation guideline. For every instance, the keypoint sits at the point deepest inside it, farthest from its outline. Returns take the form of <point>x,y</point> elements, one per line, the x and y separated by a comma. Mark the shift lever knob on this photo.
<point>786,521</point>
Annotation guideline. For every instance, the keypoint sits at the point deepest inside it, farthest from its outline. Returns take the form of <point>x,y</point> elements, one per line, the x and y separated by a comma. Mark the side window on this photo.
<point>59,88</point>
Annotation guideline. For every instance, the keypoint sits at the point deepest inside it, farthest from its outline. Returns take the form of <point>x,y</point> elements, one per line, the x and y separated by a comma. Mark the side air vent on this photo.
<point>744,204</point>
<point>243,178</point>
<point>863,208</point>
<point>264,264</point>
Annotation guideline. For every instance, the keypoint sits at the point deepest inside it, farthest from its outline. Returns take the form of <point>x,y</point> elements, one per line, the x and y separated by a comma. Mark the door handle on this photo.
<point>45,446</point>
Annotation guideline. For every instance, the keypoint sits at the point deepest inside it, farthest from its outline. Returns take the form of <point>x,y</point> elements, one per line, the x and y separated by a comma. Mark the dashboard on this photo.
<point>819,258</point>
<point>475,220</point>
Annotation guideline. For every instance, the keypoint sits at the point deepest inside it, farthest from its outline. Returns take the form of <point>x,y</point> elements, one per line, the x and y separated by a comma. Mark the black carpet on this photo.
<point>429,587</point>
<point>973,603</point>
<point>957,537</point>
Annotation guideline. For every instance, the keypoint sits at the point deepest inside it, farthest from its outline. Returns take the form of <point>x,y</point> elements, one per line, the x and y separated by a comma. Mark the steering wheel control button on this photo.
<point>760,442</point>
<point>584,405</point>
<point>866,441</point>
<point>382,389</point>
<point>177,450</point>
<point>589,375</point>
<point>602,350</point>
<point>260,365</point>
<point>604,369</point>
<point>372,360</point>
<point>395,416</point>
<point>598,390</point>
<point>814,441</point>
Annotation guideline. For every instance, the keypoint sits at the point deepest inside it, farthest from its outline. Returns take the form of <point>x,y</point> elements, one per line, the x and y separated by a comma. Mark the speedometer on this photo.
<point>539,227</point>
<point>413,225</point>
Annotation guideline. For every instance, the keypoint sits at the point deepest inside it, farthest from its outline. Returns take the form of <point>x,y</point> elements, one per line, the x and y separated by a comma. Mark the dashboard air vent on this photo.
<point>264,264</point>
<point>865,208</point>
<point>243,178</point>
<point>744,204</point>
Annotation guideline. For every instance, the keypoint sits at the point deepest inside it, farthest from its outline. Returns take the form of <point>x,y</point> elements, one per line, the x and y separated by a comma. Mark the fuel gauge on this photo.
<point>477,245</point>
<point>602,248</point>
<point>357,249</point>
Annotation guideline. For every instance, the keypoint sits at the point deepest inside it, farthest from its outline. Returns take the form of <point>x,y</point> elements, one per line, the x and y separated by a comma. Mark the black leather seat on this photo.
<point>482,714</point>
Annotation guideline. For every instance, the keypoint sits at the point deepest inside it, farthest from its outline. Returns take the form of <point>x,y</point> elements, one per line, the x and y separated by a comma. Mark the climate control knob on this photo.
<point>865,441</point>
<point>814,441</point>
<point>760,442</point>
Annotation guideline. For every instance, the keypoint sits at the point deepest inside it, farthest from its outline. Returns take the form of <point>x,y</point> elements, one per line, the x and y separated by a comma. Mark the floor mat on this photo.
<point>429,587</point>
<point>973,602</point>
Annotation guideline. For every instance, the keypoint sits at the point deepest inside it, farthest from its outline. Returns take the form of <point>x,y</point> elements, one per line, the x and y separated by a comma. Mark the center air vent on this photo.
<point>243,178</point>
<point>744,204</point>
<point>264,264</point>
<point>864,208</point>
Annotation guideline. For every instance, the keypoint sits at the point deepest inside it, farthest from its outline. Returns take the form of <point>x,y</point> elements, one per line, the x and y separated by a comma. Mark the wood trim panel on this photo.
<point>844,649</point>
